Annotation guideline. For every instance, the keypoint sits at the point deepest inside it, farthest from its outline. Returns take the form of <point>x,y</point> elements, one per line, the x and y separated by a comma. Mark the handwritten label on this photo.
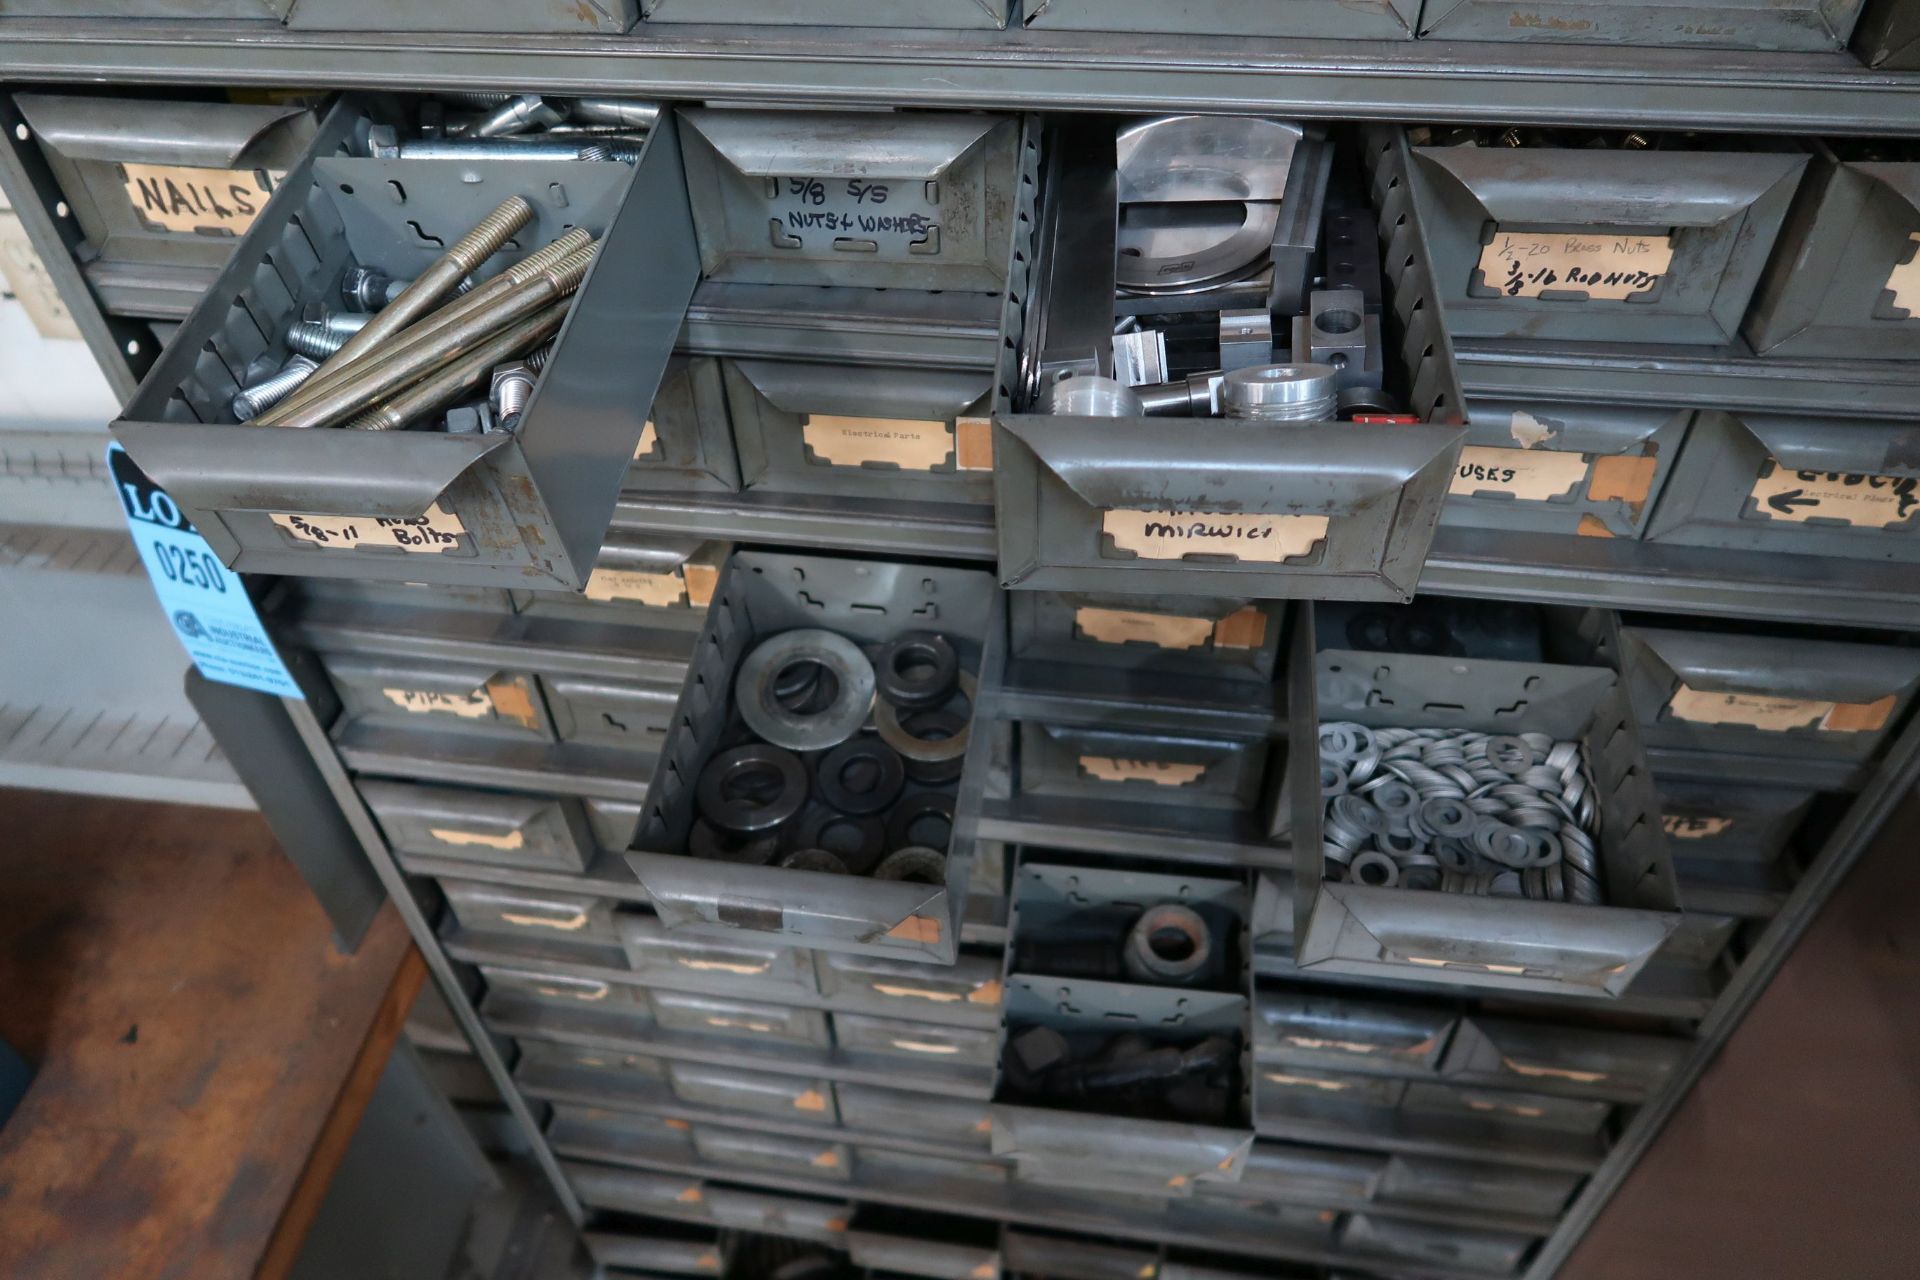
<point>656,589</point>
<point>1862,500</point>
<point>1683,826</point>
<point>744,968</point>
<point>1174,535</point>
<point>182,198</point>
<point>853,209</point>
<point>574,920</point>
<point>1165,773</point>
<point>461,839</point>
<point>437,530</point>
<point>912,444</point>
<point>1778,715</point>
<point>468,706</point>
<point>1529,264</point>
<point>1527,474</point>
<point>649,442</point>
<point>1127,626</point>
<point>1903,282</point>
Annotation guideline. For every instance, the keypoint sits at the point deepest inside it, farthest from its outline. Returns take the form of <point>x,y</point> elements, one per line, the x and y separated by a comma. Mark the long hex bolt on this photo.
<point>252,401</point>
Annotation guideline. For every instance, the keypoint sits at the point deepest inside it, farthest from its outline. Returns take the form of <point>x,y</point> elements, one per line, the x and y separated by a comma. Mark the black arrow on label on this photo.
<point>1786,502</point>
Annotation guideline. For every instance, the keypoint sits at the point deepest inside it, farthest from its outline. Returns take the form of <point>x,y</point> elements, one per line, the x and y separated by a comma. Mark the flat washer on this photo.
<point>915,864</point>
<point>708,841</point>
<point>1169,944</point>
<point>814,860</point>
<point>747,814</point>
<point>769,667</point>
<point>932,670</point>
<point>1374,870</point>
<point>914,813</point>
<point>931,751</point>
<point>858,840</point>
<point>869,758</point>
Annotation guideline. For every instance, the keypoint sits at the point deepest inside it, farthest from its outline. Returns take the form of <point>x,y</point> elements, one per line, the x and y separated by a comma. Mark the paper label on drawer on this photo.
<point>912,444</point>
<point>437,530</point>
<point>1527,264</point>
<point>447,835</point>
<point>1777,715</point>
<point>1165,773</point>
<point>1862,500</point>
<point>1121,626</point>
<point>1174,535</point>
<point>468,706</point>
<point>649,441</point>
<point>701,580</point>
<point>973,444</point>
<point>657,589</point>
<point>566,924</point>
<point>1685,826</point>
<point>176,197</point>
<point>1529,474</point>
<point>1903,282</point>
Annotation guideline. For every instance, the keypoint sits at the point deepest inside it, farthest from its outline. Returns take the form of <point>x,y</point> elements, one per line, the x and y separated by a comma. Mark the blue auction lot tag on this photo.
<point>205,601</point>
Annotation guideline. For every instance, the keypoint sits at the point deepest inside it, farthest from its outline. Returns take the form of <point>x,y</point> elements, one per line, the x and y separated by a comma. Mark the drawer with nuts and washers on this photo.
<point>823,734</point>
<point>1126,1037</point>
<point>1480,800</point>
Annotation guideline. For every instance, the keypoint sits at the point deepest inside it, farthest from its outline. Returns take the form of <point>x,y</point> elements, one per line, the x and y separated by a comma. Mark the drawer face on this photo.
<point>714,1015</point>
<point>916,1255</point>
<point>968,990</point>
<point>1498,1252</point>
<point>1567,1059</point>
<point>1031,1254</point>
<point>1568,1115</point>
<point>1720,24</point>
<point>570,1056</point>
<point>1330,1086</point>
<point>1101,764</point>
<point>686,444</point>
<point>1309,19</point>
<point>912,1168</point>
<point>613,822</point>
<point>1350,1035</point>
<point>391,693</point>
<point>1301,1173</point>
<point>680,959</point>
<point>502,909</point>
<point>1725,822</point>
<point>654,1255</point>
<point>795,1097</point>
<point>801,1217</point>
<point>498,827</point>
<point>916,1041</point>
<point>607,713</point>
<point>938,14</point>
<point>1233,638</point>
<point>557,988</point>
<point>897,1113</point>
<point>800,1157</point>
<point>673,1195</point>
<point>1503,1188</point>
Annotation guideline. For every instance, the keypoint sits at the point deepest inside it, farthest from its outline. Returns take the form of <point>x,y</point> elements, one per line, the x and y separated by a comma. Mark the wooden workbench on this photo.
<point>203,1052</point>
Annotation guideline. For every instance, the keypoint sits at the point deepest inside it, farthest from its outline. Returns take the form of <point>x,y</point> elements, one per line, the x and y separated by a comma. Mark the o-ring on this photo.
<point>915,864</point>
<point>751,788</point>
<point>843,705</point>
<point>916,670</point>
<point>908,822</point>
<point>839,775</point>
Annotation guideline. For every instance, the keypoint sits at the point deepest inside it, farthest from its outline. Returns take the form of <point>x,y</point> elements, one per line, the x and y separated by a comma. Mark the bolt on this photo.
<point>508,149</point>
<point>368,289</point>
<point>251,402</point>
<point>620,111</point>
<point>310,338</point>
<point>512,387</point>
<point>528,111</point>
<point>475,98</point>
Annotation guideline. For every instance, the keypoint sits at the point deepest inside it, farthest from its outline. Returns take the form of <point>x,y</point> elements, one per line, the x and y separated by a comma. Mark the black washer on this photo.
<point>925,724</point>
<point>856,839</point>
<point>917,810</point>
<point>935,665</point>
<point>867,759</point>
<point>780,793</point>
<point>709,841</point>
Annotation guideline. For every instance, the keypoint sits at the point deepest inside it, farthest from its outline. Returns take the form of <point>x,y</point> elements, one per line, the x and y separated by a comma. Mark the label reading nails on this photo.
<point>437,530</point>
<point>1175,535</point>
<point>182,198</point>
<point>1573,267</point>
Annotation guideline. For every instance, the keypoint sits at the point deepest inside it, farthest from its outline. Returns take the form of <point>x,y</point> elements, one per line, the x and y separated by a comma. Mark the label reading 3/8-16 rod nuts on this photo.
<point>1530,264</point>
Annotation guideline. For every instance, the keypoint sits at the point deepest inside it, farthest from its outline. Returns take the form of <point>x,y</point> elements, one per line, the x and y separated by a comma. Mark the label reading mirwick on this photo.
<point>206,602</point>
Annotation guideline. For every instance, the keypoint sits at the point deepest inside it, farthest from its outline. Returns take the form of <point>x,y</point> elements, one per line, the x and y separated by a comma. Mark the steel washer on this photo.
<point>853,697</point>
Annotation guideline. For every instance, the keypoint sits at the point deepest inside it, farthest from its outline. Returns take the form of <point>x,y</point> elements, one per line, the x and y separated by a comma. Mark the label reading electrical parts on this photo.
<point>1175,535</point>
<point>911,444</point>
<point>182,198</point>
<point>1529,264</point>
<point>206,602</point>
<point>1779,715</point>
<point>1862,500</point>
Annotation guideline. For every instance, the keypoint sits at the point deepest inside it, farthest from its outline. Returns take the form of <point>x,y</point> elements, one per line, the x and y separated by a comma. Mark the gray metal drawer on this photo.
<point>674,1195</point>
<point>1601,1064</point>
<point>896,1113</point>
<point>1719,691</point>
<point>1110,765</point>
<point>933,14</point>
<point>1282,1082</point>
<point>1070,1258</point>
<point>1726,822</point>
<point>163,190</point>
<point>1218,637</point>
<point>919,1245</point>
<point>1298,19</point>
<point>887,1167</point>
<point>968,991</point>
<point>716,1015</point>
<point>1600,245</point>
<point>1888,35</point>
<point>932,203</point>
<point>528,913</point>
<point>651,581</point>
<point>1532,1110</point>
<point>686,444</point>
<point>606,17</point>
<point>613,822</point>
<point>797,1157</point>
<point>1471,1184</point>
<point>1795,483</point>
<point>801,1217</point>
<point>916,1041</point>
<point>610,713</point>
<point>795,1097</point>
<point>845,430</point>
<point>500,827</point>
<point>656,1254</point>
<point>1302,1174</point>
<point>440,696</point>
<point>570,1056</point>
<point>1338,1034</point>
<point>1719,24</point>
<point>1496,1252</point>
<point>743,967</point>
<point>560,989</point>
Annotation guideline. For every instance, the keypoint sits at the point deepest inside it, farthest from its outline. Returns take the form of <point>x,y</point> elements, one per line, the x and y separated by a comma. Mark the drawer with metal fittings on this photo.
<point>956,1122</point>
<point>777,1213</point>
<point>1562,467</point>
<point>794,1097</point>
<point>816,1159</point>
<point>1464,1248</point>
<point>915,1243</point>
<point>451,501</point>
<point>652,581</point>
<point>1503,1188</point>
<point>967,993</point>
<point>898,1038</point>
<point>1844,282</point>
<point>1712,24</point>
<point>687,1251</point>
<point>669,1195</point>
<point>1751,693</point>
<point>1817,484</point>
<point>1311,20</point>
<point>1220,638</point>
<point>1317,485</point>
<point>1356,1033</point>
<point>728,966</point>
<point>439,697</point>
<point>934,201</point>
<point>740,834</point>
<point>532,913</point>
<point>163,189</point>
<point>1577,893</point>
<point>1534,235</point>
<point>1103,765</point>
<point>1726,822</point>
<point>740,1019</point>
<point>500,828</point>
<point>1580,1061</point>
<point>1122,926</point>
<point>559,990</point>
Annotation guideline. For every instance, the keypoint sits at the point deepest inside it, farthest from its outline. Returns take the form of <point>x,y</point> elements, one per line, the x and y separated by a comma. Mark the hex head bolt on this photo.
<point>252,401</point>
<point>451,380</point>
